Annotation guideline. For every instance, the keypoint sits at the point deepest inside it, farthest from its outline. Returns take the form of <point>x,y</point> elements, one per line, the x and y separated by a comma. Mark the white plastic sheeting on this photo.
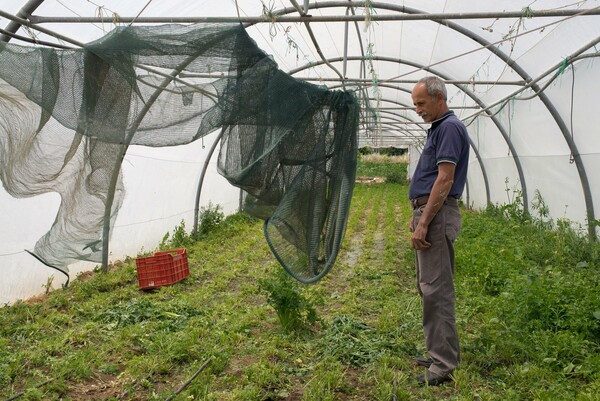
<point>522,142</point>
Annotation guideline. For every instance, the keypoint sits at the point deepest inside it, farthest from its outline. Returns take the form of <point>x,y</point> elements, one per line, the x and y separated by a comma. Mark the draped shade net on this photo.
<point>67,117</point>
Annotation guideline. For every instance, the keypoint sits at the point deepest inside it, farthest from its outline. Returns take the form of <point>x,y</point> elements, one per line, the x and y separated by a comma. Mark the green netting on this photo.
<point>68,116</point>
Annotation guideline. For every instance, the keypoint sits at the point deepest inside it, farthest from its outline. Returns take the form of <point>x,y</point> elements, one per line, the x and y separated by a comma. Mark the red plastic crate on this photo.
<point>162,268</point>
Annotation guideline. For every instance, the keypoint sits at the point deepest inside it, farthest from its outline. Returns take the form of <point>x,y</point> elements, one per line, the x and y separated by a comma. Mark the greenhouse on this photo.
<point>273,144</point>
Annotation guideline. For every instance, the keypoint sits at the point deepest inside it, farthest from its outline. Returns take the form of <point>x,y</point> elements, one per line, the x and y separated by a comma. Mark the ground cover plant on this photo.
<point>528,310</point>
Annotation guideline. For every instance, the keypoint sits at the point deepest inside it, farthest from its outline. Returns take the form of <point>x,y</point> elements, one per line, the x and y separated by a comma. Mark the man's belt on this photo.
<point>422,200</point>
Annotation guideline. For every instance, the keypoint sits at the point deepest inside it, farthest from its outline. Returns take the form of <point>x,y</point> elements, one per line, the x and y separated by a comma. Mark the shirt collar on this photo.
<point>442,118</point>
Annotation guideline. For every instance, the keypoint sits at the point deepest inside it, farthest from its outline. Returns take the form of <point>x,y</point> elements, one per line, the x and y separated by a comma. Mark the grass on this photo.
<point>528,312</point>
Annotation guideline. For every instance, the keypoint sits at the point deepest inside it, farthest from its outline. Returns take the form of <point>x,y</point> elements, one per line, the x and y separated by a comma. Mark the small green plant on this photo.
<point>295,312</point>
<point>543,220</point>
<point>210,217</point>
<point>48,286</point>
<point>179,239</point>
<point>513,209</point>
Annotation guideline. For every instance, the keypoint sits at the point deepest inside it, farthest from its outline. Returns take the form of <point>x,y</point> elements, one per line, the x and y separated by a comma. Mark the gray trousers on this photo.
<point>435,281</point>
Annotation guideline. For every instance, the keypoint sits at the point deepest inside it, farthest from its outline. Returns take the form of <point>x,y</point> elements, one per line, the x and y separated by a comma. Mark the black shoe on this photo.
<point>432,379</point>
<point>424,361</point>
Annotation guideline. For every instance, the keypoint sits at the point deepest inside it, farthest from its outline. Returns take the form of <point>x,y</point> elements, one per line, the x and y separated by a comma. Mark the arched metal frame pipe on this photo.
<point>397,115</point>
<point>400,116</point>
<point>403,106</point>
<point>32,41</point>
<point>361,87</point>
<point>398,119</point>
<point>201,181</point>
<point>568,138</point>
<point>587,193</point>
<point>10,31</point>
<point>406,133</point>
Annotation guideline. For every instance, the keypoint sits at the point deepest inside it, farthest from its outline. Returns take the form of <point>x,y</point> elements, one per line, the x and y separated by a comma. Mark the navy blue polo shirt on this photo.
<point>447,141</point>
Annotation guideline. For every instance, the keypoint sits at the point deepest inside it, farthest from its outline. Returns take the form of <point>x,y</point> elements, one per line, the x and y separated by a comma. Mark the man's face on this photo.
<point>426,106</point>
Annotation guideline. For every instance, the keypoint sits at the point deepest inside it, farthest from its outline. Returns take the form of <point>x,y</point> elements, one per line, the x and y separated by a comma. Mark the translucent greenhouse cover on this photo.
<point>523,76</point>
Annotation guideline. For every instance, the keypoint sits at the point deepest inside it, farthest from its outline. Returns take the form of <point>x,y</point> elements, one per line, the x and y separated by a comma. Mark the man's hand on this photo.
<point>418,238</point>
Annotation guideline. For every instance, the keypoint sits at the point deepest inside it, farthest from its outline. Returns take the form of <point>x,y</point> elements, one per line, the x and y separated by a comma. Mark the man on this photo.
<point>436,186</point>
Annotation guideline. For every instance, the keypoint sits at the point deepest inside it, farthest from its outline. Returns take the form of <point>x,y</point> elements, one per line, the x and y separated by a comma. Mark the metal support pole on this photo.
<point>201,181</point>
<point>414,81</point>
<point>344,69</point>
<point>38,19</point>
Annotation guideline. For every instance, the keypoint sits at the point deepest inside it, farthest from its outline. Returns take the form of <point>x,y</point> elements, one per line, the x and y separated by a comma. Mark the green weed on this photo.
<point>209,219</point>
<point>294,311</point>
<point>353,342</point>
<point>178,239</point>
